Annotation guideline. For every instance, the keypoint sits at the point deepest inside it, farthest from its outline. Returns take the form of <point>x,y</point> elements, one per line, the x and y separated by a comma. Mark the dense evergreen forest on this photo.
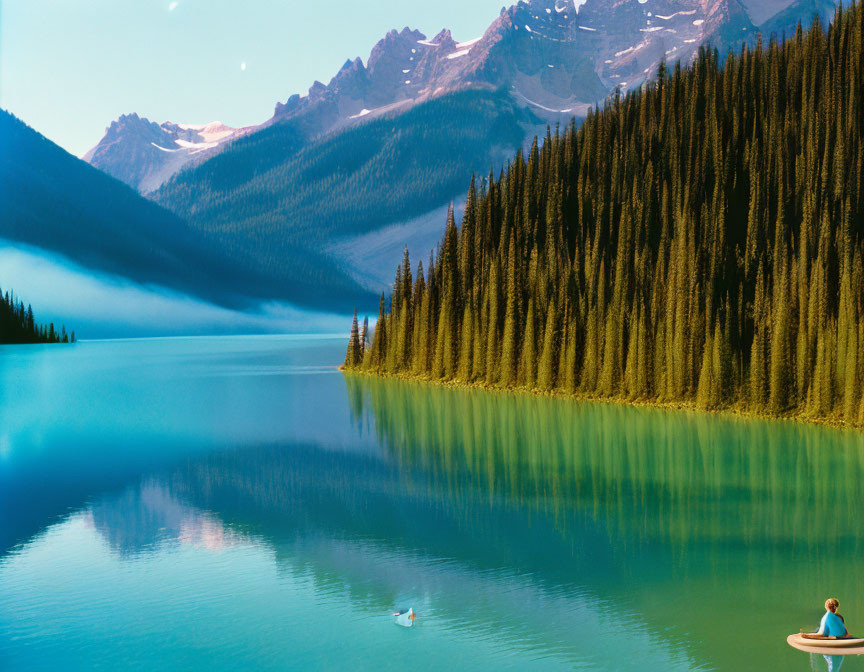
<point>17,324</point>
<point>700,240</point>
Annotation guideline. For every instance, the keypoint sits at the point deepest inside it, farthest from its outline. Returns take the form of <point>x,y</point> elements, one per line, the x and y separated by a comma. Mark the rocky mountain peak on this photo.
<point>144,154</point>
<point>443,39</point>
<point>316,90</point>
<point>131,122</point>
<point>556,57</point>
<point>395,46</point>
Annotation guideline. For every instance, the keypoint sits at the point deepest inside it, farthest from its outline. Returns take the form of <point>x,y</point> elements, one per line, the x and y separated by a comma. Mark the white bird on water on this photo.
<point>405,618</point>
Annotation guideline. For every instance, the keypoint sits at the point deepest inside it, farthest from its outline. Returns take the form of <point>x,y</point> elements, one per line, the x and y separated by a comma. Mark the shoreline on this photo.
<point>731,411</point>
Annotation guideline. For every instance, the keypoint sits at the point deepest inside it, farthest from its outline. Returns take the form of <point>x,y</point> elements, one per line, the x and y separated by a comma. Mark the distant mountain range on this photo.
<point>310,205</point>
<point>144,154</point>
<point>556,57</point>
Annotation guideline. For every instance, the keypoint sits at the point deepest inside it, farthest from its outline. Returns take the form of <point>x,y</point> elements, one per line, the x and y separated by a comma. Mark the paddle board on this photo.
<point>830,647</point>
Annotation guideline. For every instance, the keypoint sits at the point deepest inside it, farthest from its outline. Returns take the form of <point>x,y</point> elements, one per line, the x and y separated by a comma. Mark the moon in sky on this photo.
<point>243,65</point>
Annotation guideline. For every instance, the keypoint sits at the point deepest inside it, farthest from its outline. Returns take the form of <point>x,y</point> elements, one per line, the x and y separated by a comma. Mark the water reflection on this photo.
<point>369,533</point>
<point>185,498</point>
<point>720,528</point>
<point>680,531</point>
<point>833,662</point>
<point>672,476</point>
<point>143,518</point>
<point>76,423</point>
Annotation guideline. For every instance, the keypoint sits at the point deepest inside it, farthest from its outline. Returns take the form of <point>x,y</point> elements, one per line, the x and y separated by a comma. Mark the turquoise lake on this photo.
<point>238,504</point>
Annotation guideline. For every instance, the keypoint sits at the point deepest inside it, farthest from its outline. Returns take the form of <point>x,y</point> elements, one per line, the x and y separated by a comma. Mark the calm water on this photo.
<point>237,503</point>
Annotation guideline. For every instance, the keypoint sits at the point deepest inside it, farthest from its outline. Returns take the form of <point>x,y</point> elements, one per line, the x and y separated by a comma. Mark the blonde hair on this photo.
<point>832,604</point>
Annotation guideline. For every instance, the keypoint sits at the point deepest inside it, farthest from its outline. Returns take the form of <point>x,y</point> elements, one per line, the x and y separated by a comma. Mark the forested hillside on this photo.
<point>699,240</point>
<point>277,203</point>
<point>55,201</point>
<point>18,325</point>
<point>383,171</point>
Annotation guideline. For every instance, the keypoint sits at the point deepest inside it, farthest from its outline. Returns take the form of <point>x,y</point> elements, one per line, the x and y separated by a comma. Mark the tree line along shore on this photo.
<point>18,324</point>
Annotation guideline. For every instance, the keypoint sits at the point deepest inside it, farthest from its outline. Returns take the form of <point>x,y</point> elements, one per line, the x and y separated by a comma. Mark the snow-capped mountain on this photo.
<point>559,57</point>
<point>553,55</point>
<point>556,57</point>
<point>144,154</point>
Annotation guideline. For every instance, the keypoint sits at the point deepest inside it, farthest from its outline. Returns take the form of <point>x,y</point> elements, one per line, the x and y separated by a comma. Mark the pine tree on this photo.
<point>378,350</point>
<point>18,324</point>
<point>353,358</point>
<point>528,374</point>
<point>546,372</point>
<point>507,375</point>
<point>364,337</point>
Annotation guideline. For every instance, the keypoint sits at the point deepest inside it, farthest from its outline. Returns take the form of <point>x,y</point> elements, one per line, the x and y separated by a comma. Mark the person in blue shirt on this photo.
<point>832,624</point>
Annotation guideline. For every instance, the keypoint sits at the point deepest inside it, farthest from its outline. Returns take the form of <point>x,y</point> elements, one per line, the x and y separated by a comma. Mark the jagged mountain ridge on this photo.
<point>144,154</point>
<point>558,57</point>
<point>553,56</point>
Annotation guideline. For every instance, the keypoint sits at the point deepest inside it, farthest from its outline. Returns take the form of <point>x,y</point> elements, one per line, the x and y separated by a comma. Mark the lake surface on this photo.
<point>238,503</point>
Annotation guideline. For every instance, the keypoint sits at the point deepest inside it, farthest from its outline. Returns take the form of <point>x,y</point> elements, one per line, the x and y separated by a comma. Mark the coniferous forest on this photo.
<point>698,241</point>
<point>17,324</point>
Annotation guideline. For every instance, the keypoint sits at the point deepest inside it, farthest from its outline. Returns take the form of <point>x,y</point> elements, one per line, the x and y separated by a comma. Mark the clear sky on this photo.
<point>69,67</point>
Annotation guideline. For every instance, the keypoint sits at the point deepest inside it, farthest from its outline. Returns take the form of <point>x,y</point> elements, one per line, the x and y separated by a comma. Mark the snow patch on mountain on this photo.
<point>469,43</point>
<point>212,132</point>
<point>195,146</point>
<point>672,16</point>
<point>145,154</point>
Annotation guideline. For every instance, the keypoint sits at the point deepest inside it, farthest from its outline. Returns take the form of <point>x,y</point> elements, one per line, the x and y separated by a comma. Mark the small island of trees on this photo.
<point>18,325</point>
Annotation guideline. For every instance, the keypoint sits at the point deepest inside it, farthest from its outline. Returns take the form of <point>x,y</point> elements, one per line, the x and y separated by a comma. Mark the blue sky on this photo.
<point>69,67</point>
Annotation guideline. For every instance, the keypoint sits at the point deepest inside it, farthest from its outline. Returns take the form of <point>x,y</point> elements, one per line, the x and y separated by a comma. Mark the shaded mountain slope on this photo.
<point>54,201</point>
<point>785,22</point>
<point>260,201</point>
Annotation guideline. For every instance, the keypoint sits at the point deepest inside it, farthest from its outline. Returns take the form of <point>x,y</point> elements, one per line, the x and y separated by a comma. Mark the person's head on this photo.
<point>831,605</point>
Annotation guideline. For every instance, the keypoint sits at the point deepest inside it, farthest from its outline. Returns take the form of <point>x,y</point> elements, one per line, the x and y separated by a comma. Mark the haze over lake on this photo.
<point>238,503</point>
